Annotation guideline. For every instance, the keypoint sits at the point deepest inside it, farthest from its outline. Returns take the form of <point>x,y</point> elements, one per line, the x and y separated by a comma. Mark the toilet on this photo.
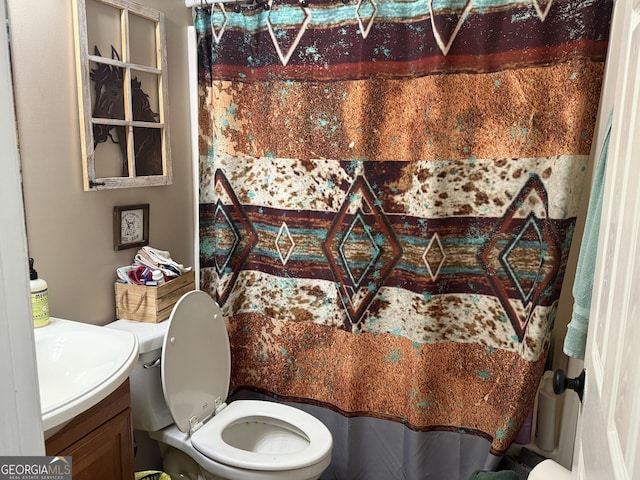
<point>179,390</point>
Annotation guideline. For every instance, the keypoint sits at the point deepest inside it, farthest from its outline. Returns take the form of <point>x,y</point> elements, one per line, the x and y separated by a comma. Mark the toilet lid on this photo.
<point>196,360</point>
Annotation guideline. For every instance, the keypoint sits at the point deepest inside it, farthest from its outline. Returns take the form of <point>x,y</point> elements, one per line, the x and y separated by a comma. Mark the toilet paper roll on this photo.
<point>549,470</point>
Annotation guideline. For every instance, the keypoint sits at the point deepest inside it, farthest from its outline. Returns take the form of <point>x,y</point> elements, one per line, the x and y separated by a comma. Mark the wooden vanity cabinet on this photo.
<point>100,440</point>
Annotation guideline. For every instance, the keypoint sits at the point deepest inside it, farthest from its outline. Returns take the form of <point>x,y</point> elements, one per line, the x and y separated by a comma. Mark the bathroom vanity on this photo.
<point>83,376</point>
<point>100,440</point>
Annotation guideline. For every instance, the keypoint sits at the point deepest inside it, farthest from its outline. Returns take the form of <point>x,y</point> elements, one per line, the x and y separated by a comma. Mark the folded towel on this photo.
<point>144,259</point>
<point>160,260</point>
<point>576,339</point>
<point>157,256</point>
<point>502,475</point>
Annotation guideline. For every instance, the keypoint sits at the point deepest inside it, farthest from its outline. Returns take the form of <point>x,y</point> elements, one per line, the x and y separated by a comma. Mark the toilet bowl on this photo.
<point>182,404</point>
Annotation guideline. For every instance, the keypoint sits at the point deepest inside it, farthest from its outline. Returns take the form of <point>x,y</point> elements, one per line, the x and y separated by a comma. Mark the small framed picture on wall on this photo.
<point>130,226</point>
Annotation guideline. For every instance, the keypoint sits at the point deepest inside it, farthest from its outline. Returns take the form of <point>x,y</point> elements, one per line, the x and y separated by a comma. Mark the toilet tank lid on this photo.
<point>150,335</point>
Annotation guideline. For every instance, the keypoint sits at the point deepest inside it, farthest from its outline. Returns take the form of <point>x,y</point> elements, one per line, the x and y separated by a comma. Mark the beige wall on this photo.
<point>69,231</point>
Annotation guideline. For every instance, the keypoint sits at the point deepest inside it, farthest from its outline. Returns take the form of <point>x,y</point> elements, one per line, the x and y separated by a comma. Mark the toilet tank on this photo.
<point>149,410</point>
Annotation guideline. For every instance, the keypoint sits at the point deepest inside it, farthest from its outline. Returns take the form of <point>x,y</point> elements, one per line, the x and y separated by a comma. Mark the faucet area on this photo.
<point>298,241</point>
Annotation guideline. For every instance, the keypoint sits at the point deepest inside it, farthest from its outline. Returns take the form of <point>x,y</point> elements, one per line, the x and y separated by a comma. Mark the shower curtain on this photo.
<point>388,194</point>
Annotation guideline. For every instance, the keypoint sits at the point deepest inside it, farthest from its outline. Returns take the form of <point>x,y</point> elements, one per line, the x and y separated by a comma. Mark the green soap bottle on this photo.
<point>39,298</point>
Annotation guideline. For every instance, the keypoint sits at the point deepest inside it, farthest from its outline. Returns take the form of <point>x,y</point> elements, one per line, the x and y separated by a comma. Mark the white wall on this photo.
<point>21,432</point>
<point>564,454</point>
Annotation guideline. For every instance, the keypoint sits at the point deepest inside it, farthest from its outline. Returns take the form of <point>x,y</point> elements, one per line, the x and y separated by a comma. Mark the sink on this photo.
<point>78,366</point>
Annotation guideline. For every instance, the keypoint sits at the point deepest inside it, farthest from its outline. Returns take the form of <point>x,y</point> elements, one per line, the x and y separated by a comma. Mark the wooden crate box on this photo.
<point>151,304</point>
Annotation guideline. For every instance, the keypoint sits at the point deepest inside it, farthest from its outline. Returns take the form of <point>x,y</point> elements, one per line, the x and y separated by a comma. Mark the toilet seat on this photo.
<point>196,369</point>
<point>209,440</point>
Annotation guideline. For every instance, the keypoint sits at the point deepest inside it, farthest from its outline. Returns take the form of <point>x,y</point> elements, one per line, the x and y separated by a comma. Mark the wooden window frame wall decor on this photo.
<point>140,133</point>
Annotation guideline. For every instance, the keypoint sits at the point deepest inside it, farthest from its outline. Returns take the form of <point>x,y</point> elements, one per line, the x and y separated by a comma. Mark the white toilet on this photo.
<point>182,403</point>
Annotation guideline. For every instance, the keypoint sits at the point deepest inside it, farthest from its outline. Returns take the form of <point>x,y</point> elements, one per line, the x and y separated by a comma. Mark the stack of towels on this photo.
<point>151,267</point>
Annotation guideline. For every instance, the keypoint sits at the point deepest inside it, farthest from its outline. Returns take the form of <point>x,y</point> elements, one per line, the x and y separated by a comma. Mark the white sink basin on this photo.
<point>78,366</point>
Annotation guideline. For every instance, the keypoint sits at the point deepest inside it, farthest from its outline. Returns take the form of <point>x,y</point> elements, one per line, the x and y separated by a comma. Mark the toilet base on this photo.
<point>181,466</point>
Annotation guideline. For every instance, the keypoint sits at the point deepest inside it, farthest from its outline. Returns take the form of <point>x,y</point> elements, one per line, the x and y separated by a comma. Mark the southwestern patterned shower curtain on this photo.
<point>388,193</point>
